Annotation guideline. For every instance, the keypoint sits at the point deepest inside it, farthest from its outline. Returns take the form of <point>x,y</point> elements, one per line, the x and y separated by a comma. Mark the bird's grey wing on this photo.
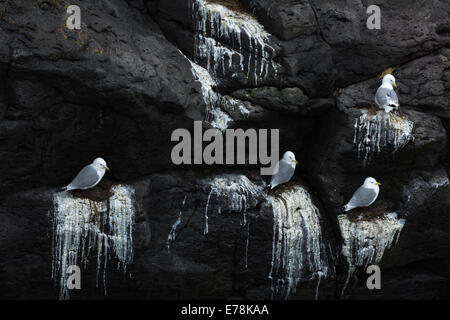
<point>284,174</point>
<point>363,197</point>
<point>275,171</point>
<point>393,97</point>
<point>87,177</point>
<point>386,97</point>
<point>381,96</point>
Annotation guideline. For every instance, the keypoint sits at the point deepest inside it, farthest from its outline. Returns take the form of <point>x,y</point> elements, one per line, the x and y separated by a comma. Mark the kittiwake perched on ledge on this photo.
<point>89,176</point>
<point>284,169</point>
<point>365,195</point>
<point>386,98</point>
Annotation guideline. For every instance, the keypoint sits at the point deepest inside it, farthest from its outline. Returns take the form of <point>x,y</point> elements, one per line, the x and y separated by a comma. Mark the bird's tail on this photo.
<point>65,188</point>
<point>347,207</point>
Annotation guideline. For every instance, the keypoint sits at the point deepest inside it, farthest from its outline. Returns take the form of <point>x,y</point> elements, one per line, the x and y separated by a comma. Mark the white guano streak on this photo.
<point>377,132</point>
<point>81,226</point>
<point>366,241</point>
<point>298,251</point>
<point>236,192</point>
<point>213,21</point>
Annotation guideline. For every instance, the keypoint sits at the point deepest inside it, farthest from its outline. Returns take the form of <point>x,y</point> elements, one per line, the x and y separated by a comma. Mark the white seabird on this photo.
<point>385,97</point>
<point>284,169</point>
<point>89,176</point>
<point>365,195</point>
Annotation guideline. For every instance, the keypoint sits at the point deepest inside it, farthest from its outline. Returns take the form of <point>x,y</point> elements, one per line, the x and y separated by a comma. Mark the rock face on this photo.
<point>138,70</point>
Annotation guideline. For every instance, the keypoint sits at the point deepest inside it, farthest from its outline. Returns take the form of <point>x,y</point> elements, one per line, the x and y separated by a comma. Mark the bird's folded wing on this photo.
<point>87,177</point>
<point>283,174</point>
<point>381,97</point>
<point>393,99</point>
<point>362,197</point>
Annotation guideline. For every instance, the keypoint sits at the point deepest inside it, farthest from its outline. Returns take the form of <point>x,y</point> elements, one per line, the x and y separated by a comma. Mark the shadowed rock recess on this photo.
<point>137,70</point>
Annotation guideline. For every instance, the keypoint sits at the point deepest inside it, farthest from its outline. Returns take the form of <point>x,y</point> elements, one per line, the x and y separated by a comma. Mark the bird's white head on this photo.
<point>289,157</point>
<point>100,162</point>
<point>389,81</point>
<point>371,183</point>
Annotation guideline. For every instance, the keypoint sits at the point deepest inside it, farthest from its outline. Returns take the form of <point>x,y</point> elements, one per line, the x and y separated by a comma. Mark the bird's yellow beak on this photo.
<point>395,85</point>
<point>295,161</point>
<point>107,168</point>
<point>378,183</point>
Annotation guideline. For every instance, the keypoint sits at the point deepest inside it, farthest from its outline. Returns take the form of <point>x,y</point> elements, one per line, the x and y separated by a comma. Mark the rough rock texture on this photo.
<point>137,70</point>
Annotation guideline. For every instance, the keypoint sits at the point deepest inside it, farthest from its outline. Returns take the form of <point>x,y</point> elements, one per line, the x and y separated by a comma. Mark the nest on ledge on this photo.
<point>376,211</point>
<point>233,5</point>
<point>281,188</point>
<point>372,110</point>
<point>100,192</point>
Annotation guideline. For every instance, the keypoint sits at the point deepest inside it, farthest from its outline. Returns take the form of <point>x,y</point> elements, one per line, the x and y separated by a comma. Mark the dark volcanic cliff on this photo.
<point>137,70</point>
